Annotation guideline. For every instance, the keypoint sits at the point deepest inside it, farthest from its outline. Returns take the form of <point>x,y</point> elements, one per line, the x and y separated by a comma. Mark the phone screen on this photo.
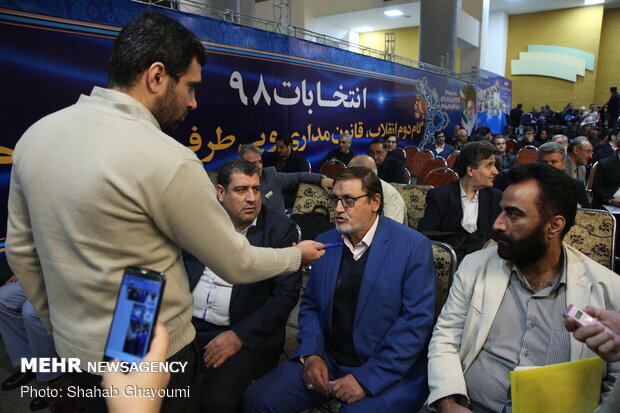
<point>135,315</point>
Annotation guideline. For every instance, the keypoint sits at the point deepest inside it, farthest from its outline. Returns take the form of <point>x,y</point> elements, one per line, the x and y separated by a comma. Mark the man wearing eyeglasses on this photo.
<point>366,316</point>
<point>579,153</point>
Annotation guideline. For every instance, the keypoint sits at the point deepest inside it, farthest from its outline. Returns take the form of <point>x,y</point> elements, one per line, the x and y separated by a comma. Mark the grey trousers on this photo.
<point>22,331</point>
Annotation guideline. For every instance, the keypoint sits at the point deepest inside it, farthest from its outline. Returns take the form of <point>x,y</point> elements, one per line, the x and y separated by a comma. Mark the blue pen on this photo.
<point>335,244</point>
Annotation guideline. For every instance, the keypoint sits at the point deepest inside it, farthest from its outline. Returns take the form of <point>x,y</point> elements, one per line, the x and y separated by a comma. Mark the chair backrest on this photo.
<point>429,166</point>
<point>452,159</point>
<point>400,150</point>
<point>594,234</point>
<point>407,176</point>
<point>309,196</point>
<point>527,154</point>
<point>591,178</point>
<point>440,176</point>
<point>213,176</point>
<point>332,168</point>
<point>418,162</point>
<point>415,200</point>
<point>510,145</point>
<point>410,151</point>
<point>444,259</point>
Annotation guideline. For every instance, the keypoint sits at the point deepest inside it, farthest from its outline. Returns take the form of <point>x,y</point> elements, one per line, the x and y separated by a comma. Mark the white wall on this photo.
<point>495,43</point>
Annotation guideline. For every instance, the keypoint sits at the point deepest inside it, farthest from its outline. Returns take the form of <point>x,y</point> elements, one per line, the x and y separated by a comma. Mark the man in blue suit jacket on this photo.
<point>365,318</point>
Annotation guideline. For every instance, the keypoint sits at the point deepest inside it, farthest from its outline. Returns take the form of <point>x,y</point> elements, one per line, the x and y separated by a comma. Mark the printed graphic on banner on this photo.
<point>494,101</point>
<point>255,86</point>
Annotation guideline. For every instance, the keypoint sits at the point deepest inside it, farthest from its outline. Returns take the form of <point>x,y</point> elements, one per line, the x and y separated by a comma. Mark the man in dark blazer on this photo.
<point>240,328</point>
<point>444,205</point>
<point>285,159</point>
<point>276,187</point>
<point>389,169</point>
<point>606,182</point>
<point>365,318</point>
<point>506,160</point>
<point>553,154</point>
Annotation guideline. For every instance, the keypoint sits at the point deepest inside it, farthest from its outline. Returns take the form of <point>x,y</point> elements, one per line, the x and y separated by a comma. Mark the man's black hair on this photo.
<point>148,38</point>
<point>285,139</point>
<point>472,154</point>
<point>236,166</point>
<point>557,194</point>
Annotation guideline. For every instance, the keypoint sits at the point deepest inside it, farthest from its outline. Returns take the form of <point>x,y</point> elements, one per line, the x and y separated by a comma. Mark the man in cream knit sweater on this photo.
<point>98,186</point>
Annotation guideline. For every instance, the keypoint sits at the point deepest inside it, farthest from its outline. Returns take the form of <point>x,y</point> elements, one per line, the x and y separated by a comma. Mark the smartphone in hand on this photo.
<point>135,314</point>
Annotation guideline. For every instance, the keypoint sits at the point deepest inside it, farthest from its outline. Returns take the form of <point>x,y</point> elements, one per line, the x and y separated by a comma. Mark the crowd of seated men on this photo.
<point>366,332</point>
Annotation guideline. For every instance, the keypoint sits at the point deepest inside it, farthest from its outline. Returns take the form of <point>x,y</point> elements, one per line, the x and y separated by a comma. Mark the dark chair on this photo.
<point>401,151</point>
<point>452,159</point>
<point>407,176</point>
<point>527,154</point>
<point>416,165</point>
<point>444,259</point>
<point>440,176</point>
<point>591,181</point>
<point>410,151</point>
<point>332,167</point>
<point>510,145</point>
<point>428,166</point>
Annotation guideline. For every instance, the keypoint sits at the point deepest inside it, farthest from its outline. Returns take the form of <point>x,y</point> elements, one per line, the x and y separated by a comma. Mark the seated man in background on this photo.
<point>528,139</point>
<point>441,148</point>
<point>506,160</point>
<point>240,328</point>
<point>606,186</point>
<point>278,189</point>
<point>562,140</point>
<point>343,153</point>
<point>506,304</point>
<point>579,153</point>
<point>390,170</point>
<point>24,336</point>
<point>552,153</point>
<point>461,139</point>
<point>390,145</point>
<point>469,205</point>
<point>393,205</point>
<point>365,318</point>
<point>285,159</point>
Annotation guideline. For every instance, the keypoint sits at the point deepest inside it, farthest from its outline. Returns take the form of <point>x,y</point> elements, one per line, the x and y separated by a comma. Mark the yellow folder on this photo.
<point>573,387</point>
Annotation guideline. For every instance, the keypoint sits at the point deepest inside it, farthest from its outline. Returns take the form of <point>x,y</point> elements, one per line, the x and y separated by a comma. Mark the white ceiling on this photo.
<point>378,21</point>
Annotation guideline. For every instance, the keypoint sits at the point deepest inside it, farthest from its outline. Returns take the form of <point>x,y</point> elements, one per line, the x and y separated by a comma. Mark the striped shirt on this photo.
<point>527,331</point>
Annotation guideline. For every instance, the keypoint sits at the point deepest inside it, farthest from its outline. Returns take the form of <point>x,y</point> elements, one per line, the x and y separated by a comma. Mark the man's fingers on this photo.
<point>584,333</point>
<point>160,344</point>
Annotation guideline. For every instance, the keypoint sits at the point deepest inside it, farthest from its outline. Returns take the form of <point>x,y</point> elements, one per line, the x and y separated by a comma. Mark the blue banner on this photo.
<point>256,84</point>
<point>494,101</point>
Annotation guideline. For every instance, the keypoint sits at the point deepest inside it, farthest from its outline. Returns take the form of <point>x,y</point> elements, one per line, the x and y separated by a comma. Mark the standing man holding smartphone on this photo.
<point>99,186</point>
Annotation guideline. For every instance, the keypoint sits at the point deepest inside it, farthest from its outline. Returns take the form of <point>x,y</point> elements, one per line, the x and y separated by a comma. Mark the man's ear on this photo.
<point>156,77</point>
<point>556,226</point>
<point>376,202</point>
<point>220,192</point>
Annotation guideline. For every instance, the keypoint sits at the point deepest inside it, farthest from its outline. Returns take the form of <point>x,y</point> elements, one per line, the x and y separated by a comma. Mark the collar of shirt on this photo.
<point>560,280</point>
<point>245,230</point>
<point>469,222</point>
<point>464,195</point>
<point>361,247</point>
